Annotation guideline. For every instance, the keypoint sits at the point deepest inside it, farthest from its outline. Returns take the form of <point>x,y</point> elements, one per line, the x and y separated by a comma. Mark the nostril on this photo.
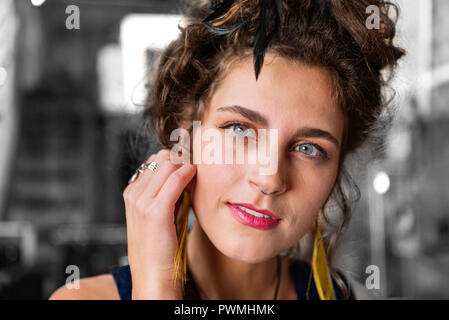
<point>267,193</point>
<point>263,190</point>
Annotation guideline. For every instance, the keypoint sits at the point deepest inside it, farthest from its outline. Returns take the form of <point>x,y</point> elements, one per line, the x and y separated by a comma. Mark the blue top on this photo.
<point>300,271</point>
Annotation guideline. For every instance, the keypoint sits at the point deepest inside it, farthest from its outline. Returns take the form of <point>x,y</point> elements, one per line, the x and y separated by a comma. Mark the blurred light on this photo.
<point>399,143</point>
<point>3,76</point>
<point>138,34</point>
<point>110,78</point>
<point>381,182</point>
<point>37,3</point>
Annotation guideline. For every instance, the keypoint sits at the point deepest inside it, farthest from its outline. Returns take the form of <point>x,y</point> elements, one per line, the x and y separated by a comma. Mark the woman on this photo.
<point>307,71</point>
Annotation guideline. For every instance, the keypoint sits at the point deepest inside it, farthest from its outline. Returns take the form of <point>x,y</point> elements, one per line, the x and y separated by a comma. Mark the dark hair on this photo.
<point>327,33</point>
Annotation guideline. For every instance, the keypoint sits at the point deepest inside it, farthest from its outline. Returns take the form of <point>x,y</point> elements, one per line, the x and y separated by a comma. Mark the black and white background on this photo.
<point>71,89</point>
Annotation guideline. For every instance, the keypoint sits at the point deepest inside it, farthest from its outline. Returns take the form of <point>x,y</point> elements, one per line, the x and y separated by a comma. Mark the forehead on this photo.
<point>286,89</point>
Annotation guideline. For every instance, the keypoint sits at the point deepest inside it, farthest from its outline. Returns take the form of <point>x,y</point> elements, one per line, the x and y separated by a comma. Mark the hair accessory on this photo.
<point>262,36</point>
<point>224,31</point>
<point>219,10</point>
<point>320,267</point>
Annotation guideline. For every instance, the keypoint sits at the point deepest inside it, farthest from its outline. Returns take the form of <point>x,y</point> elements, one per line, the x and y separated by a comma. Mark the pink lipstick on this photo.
<point>253,217</point>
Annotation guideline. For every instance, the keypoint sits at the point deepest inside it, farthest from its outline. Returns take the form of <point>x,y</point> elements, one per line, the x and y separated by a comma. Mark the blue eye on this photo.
<point>239,129</point>
<point>311,150</point>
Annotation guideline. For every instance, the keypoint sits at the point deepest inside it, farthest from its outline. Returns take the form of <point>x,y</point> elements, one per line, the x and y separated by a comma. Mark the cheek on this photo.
<point>212,183</point>
<point>322,186</point>
<point>311,189</point>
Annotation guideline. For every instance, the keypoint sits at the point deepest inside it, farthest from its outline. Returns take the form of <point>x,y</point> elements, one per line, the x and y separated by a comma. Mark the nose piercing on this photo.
<point>266,193</point>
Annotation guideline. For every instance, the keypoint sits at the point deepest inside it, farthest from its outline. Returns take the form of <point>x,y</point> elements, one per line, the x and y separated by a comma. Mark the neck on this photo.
<point>219,277</point>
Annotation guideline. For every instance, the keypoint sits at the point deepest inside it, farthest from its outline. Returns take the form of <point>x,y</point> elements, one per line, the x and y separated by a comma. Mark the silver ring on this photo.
<point>266,193</point>
<point>153,165</point>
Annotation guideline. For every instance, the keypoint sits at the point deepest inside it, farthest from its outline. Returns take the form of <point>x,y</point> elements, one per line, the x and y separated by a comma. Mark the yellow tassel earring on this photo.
<point>181,253</point>
<point>320,267</point>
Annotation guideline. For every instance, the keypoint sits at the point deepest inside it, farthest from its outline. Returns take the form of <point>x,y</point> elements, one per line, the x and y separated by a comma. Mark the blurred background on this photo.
<point>73,76</point>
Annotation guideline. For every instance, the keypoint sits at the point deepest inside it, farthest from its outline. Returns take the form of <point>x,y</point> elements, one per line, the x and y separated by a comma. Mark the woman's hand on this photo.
<point>151,202</point>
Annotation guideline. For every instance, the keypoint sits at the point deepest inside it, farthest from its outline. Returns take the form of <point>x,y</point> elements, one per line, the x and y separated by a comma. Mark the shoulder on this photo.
<point>101,287</point>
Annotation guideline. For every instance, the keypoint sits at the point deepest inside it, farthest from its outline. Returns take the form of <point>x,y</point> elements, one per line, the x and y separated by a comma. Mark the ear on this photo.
<point>187,125</point>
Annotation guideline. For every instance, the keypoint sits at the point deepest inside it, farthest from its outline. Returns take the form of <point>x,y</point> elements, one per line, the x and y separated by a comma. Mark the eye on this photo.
<point>312,150</point>
<point>239,129</point>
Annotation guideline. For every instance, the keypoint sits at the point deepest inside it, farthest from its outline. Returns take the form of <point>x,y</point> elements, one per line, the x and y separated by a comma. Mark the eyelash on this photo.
<point>230,124</point>
<point>324,154</point>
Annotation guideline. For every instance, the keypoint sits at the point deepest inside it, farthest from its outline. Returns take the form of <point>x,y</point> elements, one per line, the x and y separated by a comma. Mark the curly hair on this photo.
<point>331,34</point>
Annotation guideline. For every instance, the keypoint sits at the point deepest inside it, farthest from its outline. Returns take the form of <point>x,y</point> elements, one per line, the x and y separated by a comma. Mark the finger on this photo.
<point>159,177</point>
<point>131,192</point>
<point>131,185</point>
<point>175,185</point>
<point>151,182</point>
<point>165,169</point>
<point>137,187</point>
<point>146,198</point>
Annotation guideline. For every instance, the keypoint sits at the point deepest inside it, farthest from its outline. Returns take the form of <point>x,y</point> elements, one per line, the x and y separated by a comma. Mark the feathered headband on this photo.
<point>269,9</point>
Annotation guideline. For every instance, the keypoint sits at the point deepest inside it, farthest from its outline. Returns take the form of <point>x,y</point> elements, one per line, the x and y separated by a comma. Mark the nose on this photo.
<point>273,184</point>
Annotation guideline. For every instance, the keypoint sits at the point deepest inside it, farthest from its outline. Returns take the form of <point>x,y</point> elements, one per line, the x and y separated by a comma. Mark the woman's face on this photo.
<point>295,100</point>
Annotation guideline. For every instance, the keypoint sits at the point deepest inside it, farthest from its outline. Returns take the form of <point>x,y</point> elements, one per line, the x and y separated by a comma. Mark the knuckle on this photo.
<point>152,157</point>
<point>170,164</point>
<point>126,193</point>
<point>165,159</point>
<point>152,213</point>
<point>141,206</point>
<point>176,178</point>
<point>155,206</point>
<point>159,212</point>
<point>129,195</point>
<point>165,154</point>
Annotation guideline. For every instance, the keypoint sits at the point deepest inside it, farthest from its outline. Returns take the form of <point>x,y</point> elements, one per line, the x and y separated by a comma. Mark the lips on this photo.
<point>251,207</point>
<point>248,215</point>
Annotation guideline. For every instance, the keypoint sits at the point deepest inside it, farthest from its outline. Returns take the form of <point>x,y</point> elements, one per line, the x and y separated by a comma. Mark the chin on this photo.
<point>245,250</point>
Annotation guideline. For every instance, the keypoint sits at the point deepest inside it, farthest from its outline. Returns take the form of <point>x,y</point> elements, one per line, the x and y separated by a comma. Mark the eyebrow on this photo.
<point>247,113</point>
<point>316,133</point>
<point>260,119</point>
